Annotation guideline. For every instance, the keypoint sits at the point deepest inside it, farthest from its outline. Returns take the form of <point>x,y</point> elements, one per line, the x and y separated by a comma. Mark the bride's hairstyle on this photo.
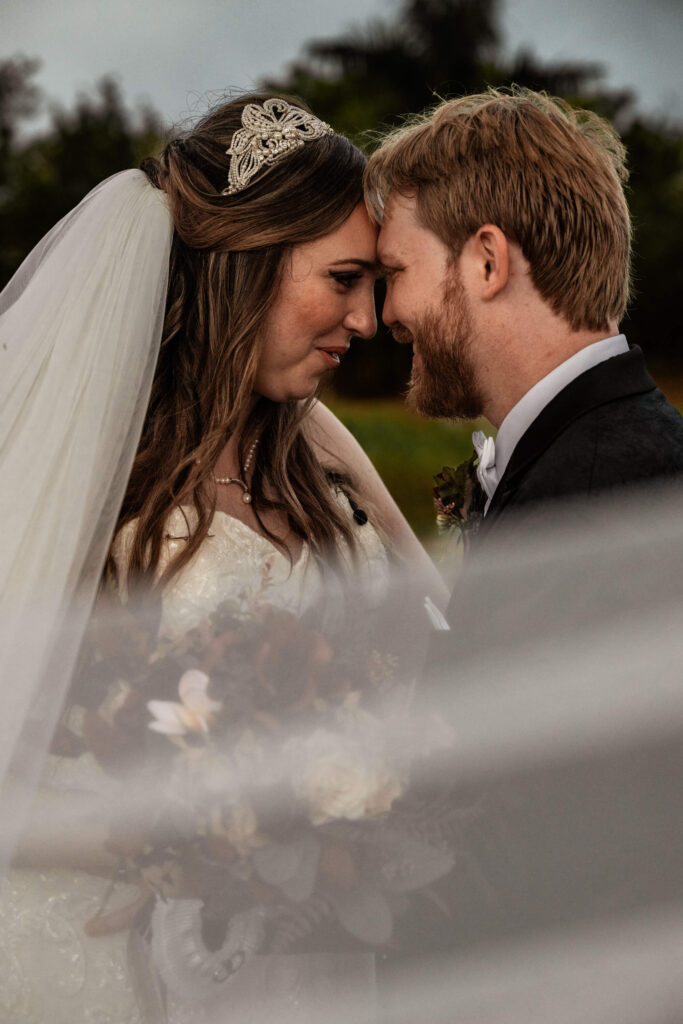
<point>225,269</point>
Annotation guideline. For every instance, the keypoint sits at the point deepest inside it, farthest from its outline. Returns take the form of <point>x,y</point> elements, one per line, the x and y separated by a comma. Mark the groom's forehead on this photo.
<point>402,232</point>
<point>400,211</point>
<point>399,224</point>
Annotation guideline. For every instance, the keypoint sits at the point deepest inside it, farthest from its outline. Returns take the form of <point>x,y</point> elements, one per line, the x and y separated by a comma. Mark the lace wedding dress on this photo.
<point>50,970</point>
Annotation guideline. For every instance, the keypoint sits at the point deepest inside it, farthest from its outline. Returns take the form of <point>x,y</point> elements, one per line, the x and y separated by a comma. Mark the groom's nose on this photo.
<point>388,315</point>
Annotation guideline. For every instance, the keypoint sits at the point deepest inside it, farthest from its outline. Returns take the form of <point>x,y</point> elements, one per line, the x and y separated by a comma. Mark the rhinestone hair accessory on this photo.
<point>268,133</point>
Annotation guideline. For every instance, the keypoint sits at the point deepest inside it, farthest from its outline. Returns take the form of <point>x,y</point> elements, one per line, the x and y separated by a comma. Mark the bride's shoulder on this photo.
<point>334,445</point>
<point>338,450</point>
<point>178,525</point>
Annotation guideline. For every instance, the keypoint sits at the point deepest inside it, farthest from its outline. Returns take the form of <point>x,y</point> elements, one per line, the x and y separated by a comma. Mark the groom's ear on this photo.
<point>490,260</point>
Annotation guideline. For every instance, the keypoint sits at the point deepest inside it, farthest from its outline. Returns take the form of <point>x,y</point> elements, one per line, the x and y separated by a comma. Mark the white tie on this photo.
<point>486,470</point>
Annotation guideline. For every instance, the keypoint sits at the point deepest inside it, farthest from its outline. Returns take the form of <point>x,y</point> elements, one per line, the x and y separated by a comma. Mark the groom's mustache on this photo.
<point>402,335</point>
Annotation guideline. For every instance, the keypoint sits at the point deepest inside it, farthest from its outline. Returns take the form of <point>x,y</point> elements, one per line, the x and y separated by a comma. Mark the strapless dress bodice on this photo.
<point>236,563</point>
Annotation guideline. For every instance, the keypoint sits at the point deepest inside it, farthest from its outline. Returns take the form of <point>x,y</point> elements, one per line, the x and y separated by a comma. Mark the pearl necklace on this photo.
<point>246,497</point>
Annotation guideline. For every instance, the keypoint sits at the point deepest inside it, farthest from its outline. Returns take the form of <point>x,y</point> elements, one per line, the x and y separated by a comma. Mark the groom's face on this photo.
<point>427,306</point>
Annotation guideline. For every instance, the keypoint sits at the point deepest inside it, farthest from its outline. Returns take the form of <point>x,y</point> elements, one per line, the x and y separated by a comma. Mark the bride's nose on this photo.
<point>361,320</point>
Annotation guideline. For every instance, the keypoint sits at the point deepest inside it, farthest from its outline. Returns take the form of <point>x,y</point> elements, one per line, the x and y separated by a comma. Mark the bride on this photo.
<point>161,351</point>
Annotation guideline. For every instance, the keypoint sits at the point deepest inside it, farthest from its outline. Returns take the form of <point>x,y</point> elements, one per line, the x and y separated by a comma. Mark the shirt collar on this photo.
<point>523,414</point>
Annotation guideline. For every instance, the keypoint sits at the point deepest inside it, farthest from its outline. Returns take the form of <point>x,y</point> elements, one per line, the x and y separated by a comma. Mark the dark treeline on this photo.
<point>43,179</point>
<point>362,82</point>
<point>373,77</point>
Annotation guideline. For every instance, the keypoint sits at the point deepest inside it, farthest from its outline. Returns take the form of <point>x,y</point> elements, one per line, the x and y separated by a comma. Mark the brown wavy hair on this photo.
<point>549,176</point>
<point>226,263</point>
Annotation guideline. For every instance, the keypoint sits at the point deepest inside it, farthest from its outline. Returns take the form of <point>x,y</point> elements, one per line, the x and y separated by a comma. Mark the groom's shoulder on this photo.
<point>632,437</point>
<point>647,420</point>
<point>639,429</point>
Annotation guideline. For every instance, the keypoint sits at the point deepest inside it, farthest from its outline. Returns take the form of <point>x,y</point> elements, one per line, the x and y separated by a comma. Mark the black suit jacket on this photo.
<point>608,431</point>
<point>610,427</point>
<point>539,853</point>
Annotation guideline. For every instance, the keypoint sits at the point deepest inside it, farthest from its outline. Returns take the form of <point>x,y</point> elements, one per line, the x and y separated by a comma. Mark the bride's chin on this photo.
<point>296,393</point>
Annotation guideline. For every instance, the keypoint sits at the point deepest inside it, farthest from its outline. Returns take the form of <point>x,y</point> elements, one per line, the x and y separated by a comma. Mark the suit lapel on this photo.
<point>615,378</point>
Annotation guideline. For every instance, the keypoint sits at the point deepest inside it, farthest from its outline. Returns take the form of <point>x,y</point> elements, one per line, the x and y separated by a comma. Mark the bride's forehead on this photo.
<point>355,240</point>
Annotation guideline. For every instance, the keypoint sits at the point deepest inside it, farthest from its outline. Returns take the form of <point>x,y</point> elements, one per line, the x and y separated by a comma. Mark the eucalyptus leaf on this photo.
<point>364,913</point>
<point>410,863</point>
<point>292,866</point>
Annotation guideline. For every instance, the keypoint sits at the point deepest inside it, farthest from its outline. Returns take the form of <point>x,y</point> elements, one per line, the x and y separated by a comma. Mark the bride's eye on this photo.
<point>346,278</point>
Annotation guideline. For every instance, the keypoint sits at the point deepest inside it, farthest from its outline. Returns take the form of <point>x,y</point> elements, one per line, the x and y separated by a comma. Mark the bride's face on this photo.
<point>326,297</point>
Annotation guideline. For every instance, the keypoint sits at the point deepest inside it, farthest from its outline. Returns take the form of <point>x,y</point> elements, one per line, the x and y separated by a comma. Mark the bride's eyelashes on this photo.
<point>346,278</point>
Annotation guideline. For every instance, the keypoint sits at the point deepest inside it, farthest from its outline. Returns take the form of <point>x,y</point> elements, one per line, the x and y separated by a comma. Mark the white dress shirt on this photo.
<point>523,414</point>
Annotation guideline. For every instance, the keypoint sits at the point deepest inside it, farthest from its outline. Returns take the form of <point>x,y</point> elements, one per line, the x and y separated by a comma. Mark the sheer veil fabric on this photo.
<point>561,684</point>
<point>80,328</point>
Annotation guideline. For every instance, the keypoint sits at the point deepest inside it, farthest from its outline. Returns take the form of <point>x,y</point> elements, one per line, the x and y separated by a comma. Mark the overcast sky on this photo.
<point>174,52</point>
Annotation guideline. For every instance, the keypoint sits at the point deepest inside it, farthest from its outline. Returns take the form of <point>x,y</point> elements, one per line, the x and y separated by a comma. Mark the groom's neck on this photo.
<point>524,351</point>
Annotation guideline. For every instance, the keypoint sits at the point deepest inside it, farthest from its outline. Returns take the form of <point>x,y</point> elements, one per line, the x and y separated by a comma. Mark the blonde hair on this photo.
<point>549,176</point>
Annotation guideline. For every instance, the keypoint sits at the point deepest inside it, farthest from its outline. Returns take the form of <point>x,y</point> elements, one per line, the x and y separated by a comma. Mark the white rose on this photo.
<point>337,778</point>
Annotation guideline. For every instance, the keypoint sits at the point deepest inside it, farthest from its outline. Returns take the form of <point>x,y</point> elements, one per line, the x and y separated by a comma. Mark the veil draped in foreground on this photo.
<point>528,846</point>
<point>501,827</point>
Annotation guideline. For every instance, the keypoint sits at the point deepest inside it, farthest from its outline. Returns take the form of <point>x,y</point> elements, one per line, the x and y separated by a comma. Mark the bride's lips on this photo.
<point>332,355</point>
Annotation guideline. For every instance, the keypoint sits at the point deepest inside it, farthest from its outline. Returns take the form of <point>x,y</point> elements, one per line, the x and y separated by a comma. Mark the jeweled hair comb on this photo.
<point>269,132</point>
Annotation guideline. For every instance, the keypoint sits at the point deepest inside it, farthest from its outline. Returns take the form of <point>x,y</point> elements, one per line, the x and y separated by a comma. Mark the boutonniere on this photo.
<point>459,498</point>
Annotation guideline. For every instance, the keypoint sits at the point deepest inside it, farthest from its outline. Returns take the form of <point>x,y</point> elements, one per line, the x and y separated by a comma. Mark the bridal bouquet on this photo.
<point>279,751</point>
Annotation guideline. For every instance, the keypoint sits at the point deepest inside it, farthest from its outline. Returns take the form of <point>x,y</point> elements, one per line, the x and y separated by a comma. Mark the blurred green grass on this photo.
<point>406,450</point>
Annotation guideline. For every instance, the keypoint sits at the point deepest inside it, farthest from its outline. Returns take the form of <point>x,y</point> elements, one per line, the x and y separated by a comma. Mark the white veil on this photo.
<point>560,684</point>
<point>561,681</point>
<point>80,326</point>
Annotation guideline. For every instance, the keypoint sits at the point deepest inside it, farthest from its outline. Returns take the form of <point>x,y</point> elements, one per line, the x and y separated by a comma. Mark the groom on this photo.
<point>505,237</point>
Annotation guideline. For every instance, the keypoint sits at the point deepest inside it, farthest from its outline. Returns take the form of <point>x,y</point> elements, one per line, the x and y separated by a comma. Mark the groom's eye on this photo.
<point>386,273</point>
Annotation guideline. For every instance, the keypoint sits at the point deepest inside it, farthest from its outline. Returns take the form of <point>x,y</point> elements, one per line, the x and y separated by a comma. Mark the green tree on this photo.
<point>655,196</point>
<point>373,77</point>
<point>45,178</point>
<point>19,99</point>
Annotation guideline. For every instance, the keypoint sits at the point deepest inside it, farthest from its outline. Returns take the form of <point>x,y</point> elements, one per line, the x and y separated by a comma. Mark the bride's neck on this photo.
<point>228,462</point>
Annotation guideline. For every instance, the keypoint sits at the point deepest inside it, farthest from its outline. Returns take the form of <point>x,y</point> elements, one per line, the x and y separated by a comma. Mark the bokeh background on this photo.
<point>89,87</point>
